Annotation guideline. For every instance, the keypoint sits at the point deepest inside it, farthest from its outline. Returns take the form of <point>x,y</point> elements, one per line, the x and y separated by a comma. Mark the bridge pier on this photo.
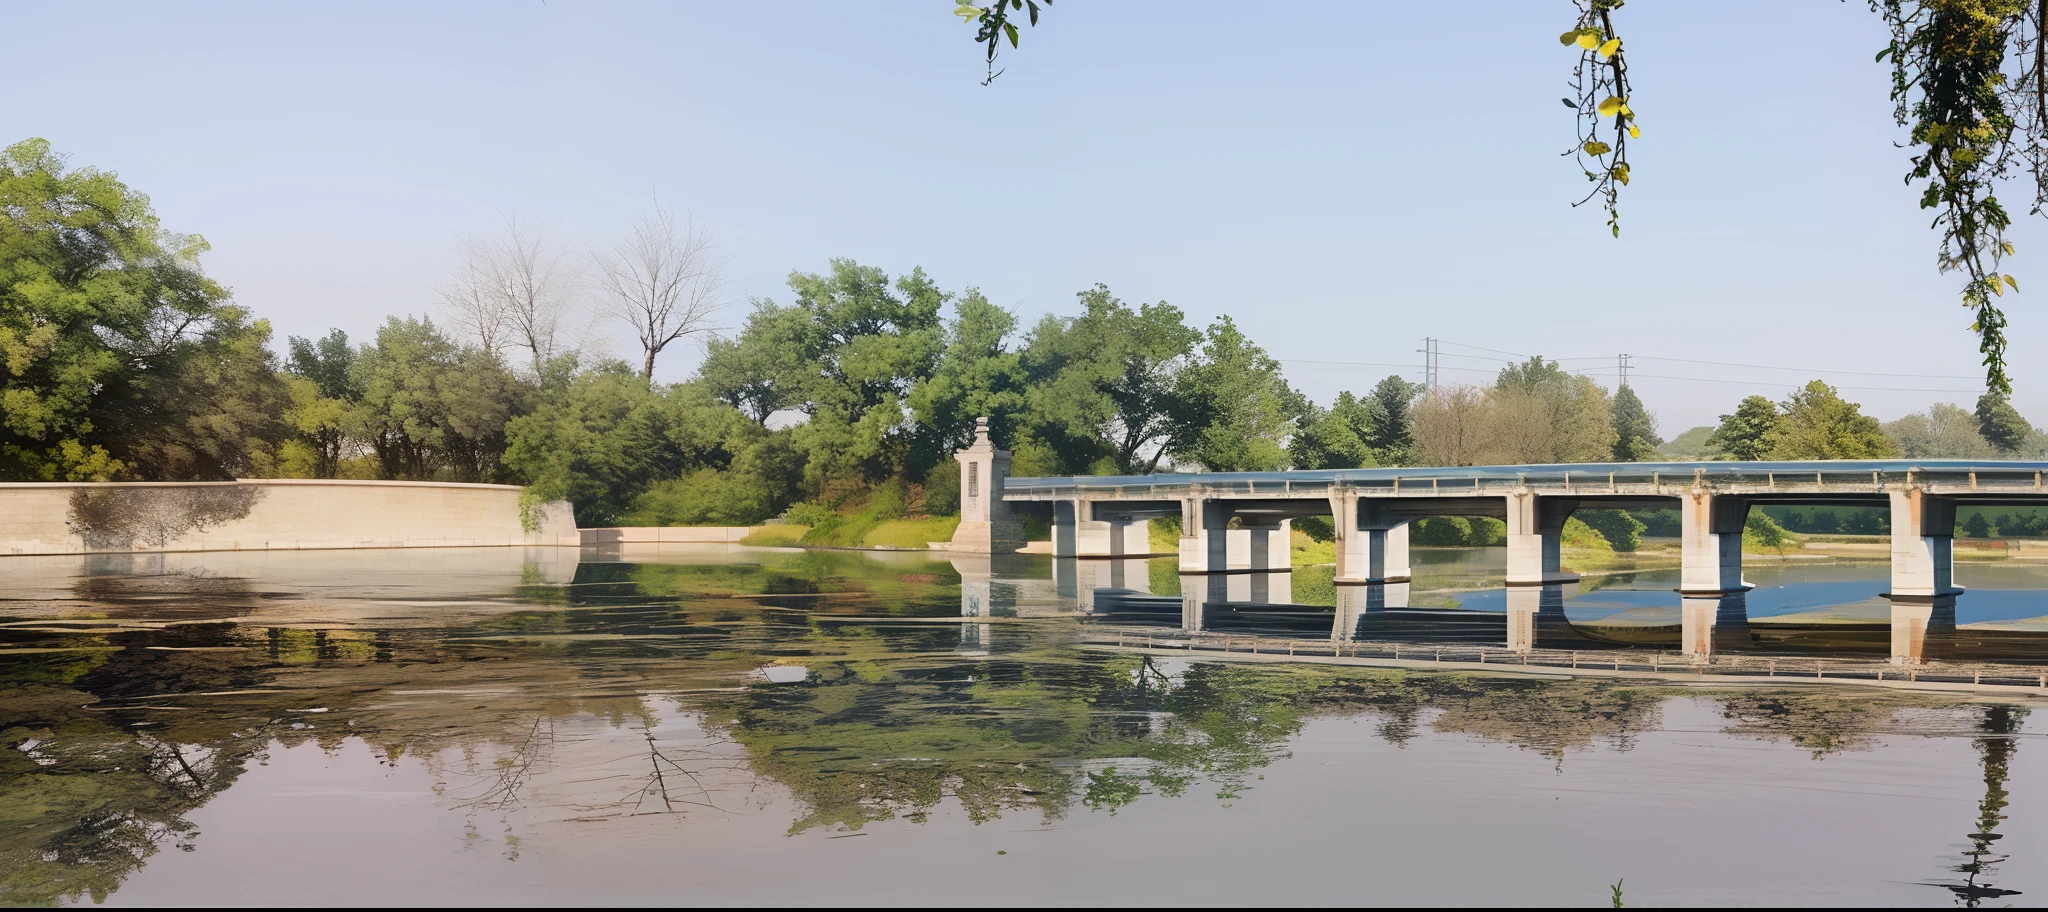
<point>1535,538</point>
<point>1078,532</point>
<point>1915,622</point>
<point>1208,544</point>
<point>1710,543</point>
<point>1923,545</point>
<point>1371,542</point>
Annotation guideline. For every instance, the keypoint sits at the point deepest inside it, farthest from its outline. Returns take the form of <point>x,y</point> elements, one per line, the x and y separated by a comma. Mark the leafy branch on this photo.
<point>993,26</point>
<point>1960,71</point>
<point>1599,91</point>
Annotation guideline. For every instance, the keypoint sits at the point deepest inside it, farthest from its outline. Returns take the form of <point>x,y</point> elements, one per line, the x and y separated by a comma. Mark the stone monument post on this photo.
<point>986,524</point>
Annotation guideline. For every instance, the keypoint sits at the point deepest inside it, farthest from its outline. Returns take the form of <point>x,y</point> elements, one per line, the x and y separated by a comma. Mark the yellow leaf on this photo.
<point>1625,111</point>
<point>1568,38</point>
<point>1996,288</point>
<point>1596,147</point>
<point>967,12</point>
<point>2009,281</point>
<point>1620,173</point>
<point>1634,132</point>
<point>2008,248</point>
<point>1608,49</point>
<point>1609,106</point>
<point>1589,38</point>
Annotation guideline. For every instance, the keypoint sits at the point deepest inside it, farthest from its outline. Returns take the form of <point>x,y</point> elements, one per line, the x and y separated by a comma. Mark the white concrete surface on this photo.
<point>295,514</point>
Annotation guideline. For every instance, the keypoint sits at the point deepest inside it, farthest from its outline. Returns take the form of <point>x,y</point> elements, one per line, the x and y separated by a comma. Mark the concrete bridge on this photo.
<point>1238,522</point>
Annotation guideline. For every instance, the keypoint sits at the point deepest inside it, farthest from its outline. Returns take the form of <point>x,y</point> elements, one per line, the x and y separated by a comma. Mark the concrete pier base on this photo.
<point>1536,538</point>
<point>1923,545</point>
<point>1076,532</point>
<point>1710,542</point>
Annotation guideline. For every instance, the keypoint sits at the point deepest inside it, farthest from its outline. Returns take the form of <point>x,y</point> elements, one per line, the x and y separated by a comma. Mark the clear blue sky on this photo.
<point>1343,179</point>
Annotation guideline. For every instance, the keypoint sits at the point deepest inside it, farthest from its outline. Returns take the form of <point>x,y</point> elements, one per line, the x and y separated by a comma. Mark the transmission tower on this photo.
<point>1621,361</point>
<point>1428,350</point>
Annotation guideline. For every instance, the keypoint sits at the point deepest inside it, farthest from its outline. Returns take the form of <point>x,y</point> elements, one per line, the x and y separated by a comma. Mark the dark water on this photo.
<point>727,725</point>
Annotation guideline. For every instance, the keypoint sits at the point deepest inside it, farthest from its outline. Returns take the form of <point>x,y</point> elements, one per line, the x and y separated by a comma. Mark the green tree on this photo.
<point>2000,424</point>
<point>1748,434</point>
<point>1635,431</point>
<point>1819,424</point>
<point>1944,431</point>
<point>427,406</point>
<point>122,359</point>
<point>978,376</point>
<point>1394,435</point>
<point>1336,438</point>
<point>608,437</point>
<point>1539,413</point>
<point>322,395</point>
<point>1103,385</point>
<point>1232,408</point>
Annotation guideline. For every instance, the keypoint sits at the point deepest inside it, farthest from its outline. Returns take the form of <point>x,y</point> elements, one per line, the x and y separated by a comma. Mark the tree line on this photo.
<point>124,361</point>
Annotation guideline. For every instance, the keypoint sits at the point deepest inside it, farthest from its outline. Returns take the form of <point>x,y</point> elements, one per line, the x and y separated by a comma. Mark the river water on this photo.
<point>729,725</point>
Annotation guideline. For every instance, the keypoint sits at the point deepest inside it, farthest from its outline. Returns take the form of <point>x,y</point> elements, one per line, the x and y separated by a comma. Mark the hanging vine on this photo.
<point>1967,76</point>
<point>1600,91</point>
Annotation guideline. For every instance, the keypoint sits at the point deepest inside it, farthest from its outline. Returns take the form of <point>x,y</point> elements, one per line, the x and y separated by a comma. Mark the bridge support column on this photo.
<point>1710,543</point>
<point>1923,545</point>
<point>1076,532</point>
<point>1267,546</point>
<point>1204,535</point>
<point>1535,538</point>
<point>1371,543</point>
<point>1536,616</point>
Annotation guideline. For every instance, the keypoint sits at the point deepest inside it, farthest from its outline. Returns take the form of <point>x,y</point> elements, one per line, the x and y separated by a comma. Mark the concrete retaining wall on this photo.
<point>666,535</point>
<point>271,515</point>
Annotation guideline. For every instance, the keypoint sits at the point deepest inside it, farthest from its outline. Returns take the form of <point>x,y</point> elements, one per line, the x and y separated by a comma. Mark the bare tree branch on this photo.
<point>513,291</point>
<point>664,281</point>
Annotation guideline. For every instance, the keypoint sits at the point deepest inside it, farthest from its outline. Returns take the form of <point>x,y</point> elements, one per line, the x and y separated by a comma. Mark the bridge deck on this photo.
<point>1966,479</point>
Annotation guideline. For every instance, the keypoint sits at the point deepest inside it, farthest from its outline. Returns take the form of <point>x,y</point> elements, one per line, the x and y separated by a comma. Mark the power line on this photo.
<point>1799,370</point>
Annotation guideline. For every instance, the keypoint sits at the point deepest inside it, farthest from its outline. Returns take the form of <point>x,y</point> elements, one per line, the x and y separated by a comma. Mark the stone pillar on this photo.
<point>1923,545</point>
<point>986,524</point>
<point>1204,542</point>
<point>1713,623</point>
<point>1535,538</point>
<point>1350,546</point>
<point>1710,543</point>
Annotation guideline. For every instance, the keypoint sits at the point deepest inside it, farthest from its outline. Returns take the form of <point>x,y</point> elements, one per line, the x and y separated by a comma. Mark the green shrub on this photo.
<point>1584,537</point>
<point>1762,533</point>
<point>1621,530</point>
<point>1660,523</point>
<point>942,489</point>
<point>806,514</point>
<point>705,497</point>
<point>1320,528</point>
<point>1441,531</point>
<point>1487,531</point>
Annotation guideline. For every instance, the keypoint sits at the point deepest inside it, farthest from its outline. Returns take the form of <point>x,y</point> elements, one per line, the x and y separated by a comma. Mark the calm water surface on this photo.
<point>726,725</point>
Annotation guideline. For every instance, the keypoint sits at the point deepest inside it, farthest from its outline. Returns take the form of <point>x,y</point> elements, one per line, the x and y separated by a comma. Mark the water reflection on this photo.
<point>556,704</point>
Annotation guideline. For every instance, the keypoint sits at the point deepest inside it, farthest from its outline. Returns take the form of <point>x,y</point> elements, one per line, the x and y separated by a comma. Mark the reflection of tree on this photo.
<point>1994,749</point>
<point>1822,721</point>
